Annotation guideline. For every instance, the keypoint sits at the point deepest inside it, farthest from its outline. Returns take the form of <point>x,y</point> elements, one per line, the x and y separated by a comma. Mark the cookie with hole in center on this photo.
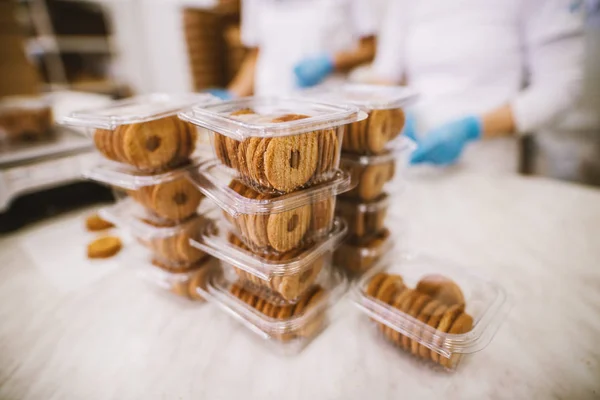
<point>175,200</point>
<point>151,145</point>
<point>286,229</point>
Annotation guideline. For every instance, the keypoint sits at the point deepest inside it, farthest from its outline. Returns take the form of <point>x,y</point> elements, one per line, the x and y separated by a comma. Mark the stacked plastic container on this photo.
<point>371,151</point>
<point>147,156</point>
<point>275,176</point>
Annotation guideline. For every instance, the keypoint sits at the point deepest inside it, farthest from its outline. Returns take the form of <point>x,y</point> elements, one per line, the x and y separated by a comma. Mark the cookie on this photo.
<point>286,229</point>
<point>198,280</point>
<point>257,226</point>
<point>375,283</point>
<point>372,180</point>
<point>94,223</point>
<point>462,324</point>
<point>441,288</point>
<point>231,147</point>
<point>241,158</point>
<point>414,311</point>
<point>258,164</point>
<point>363,219</point>
<point>322,214</point>
<point>446,322</point>
<point>151,145</point>
<point>359,256</point>
<point>397,121</point>
<point>381,126</point>
<point>392,285</point>
<point>100,142</point>
<point>433,321</point>
<point>175,200</point>
<point>104,247</point>
<point>220,150</point>
<point>292,286</point>
<point>422,316</point>
<point>243,111</point>
<point>251,145</point>
<point>291,161</point>
<point>401,302</point>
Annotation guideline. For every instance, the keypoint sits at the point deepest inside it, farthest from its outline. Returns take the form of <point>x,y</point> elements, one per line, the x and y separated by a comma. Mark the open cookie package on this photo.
<point>432,310</point>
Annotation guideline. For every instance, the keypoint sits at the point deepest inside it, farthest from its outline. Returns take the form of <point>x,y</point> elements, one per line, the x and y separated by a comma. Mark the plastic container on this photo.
<point>290,327</point>
<point>276,145</point>
<point>364,219</point>
<point>267,222</point>
<point>282,277</point>
<point>170,244</point>
<point>25,118</point>
<point>467,312</point>
<point>359,255</point>
<point>371,173</point>
<point>183,282</point>
<point>169,197</point>
<point>385,107</point>
<point>143,132</point>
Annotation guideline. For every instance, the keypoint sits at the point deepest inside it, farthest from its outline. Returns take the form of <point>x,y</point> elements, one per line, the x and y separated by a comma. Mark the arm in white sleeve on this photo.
<point>553,39</point>
<point>364,18</point>
<point>389,64</point>
<point>249,23</point>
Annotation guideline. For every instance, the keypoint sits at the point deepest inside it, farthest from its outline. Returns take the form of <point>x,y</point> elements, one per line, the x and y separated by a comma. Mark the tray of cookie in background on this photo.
<point>25,119</point>
<point>431,309</point>
<point>276,145</point>
<point>286,327</point>
<point>143,133</point>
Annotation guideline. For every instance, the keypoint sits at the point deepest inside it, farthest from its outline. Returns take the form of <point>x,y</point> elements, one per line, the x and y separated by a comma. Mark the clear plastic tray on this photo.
<point>269,222</point>
<point>143,132</point>
<point>292,327</point>
<point>364,219</point>
<point>441,336</point>
<point>276,145</point>
<point>283,277</point>
<point>24,118</point>
<point>170,244</point>
<point>171,196</point>
<point>185,281</point>
<point>371,173</point>
<point>359,255</point>
<point>384,105</point>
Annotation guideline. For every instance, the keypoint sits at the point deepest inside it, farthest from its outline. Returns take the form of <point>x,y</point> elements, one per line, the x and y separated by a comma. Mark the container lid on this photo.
<point>136,109</point>
<point>485,301</point>
<point>259,123</point>
<point>398,149</point>
<point>333,282</point>
<point>216,243</point>
<point>131,216</point>
<point>367,97</point>
<point>213,179</point>
<point>119,175</point>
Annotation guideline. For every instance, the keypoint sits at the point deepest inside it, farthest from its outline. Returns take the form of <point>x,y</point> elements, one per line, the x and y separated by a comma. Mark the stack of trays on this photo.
<point>276,177</point>
<point>148,154</point>
<point>371,152</point>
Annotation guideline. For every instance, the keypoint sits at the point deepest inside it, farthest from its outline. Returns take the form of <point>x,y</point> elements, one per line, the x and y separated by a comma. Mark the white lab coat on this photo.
<point>287,31</point>
<point>470,56</point>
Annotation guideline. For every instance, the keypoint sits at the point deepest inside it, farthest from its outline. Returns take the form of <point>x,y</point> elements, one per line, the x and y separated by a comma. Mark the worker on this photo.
<point>297,44</point>
<point>484,69</point>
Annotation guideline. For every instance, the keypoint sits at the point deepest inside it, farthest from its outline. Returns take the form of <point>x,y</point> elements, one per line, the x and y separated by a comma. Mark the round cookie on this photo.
<point>315,323</point>
<point>220,150</point>
<point>301,304</point>
<point>257,226</point>
<point>375,283</point>
<point>241,158</point>
<point>94,223</point>
<point>151,145</point>
<point>441,288</point>
<point>257,171</point>
<point>445,323</point>
<point>381,126</point>
<point>293,286</point>
<point>231,146</point>
<point>235,290</point>
<point>397,302</point>
<point>391,286</point>
<point>414,310</point>
<point>462,324</point>
<point>198,280</point>
<point>433,321</point>
<point>423,317</point>
<point>397,119</point>
<point>291,161</point>
<point>116,143</point>
<point>251,146</point>
<point>372,180</point>
<point>104,247</point>
<point>175,200</point>
<point>286,229</point>
<point>322,214</point>
<point>185,251</point>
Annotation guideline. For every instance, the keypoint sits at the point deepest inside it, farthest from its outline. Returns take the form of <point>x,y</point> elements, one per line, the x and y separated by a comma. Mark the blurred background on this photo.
<point>89,51</point>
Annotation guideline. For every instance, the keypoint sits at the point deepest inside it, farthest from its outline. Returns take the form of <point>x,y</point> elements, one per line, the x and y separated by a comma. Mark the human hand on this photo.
<point>444,145</point>
<point>222,94</point>
<point>311,71</point>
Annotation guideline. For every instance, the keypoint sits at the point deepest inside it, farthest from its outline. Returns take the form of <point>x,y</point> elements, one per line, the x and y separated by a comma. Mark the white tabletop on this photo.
<point>71,329</point>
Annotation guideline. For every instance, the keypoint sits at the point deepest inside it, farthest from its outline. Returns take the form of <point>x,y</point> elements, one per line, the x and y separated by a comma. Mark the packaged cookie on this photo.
<point>269,222</point>
<point>281,277</point>
<point>25,118</point>
<point>364,219</point>
<point>384,106</point>
<point>291,326</point>
<point>187,281</point>
<point>276,145</point>
<point>433,310</point>
<point>169,197</point>
<point>371,173</point>
<point>358,255</point>
<point>143,132</point>
<point>170,243</point>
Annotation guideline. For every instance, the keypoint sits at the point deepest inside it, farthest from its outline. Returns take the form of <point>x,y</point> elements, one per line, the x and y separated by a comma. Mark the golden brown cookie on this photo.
<point>362,222</point>
<point>382,124</point>
<point>375,283</point>
<point>286,229</point>
<point>423,317</point>
<point>389,288</point>
<point>94,223</point>
<point>414,310</point>
<point>151,145</point>
<point>251,146</point>
<point>446,322</point>
<point>220,150</point>
<point>292,286</point>
<point>397,119</point>
<point>198,280</point>
<point>402,301</point>
<point>104,247</point>
<point>433,321</point>
<point>441,288</point>
<point>323,214</point>
<point>462,324</point>
<point>258,164</point>
<point>175,200</point>
<point>291,161</point>
<point>231,146</point>
<point>372,180</point>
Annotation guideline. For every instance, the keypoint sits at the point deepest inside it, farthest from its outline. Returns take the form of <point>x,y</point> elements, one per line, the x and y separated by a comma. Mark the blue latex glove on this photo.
<point>444,145</point>
<point>410,130</point>
<point>313,70</point>
<point>223,94</point>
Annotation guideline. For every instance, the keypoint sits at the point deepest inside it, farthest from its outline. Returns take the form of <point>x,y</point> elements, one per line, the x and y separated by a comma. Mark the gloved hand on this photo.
<point>222,94</point>
<point>443,145</point>
<point>409,129</point>
<point>313,70</point>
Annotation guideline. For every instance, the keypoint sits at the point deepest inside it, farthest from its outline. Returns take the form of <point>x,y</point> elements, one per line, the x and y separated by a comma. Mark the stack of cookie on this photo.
<point>149,153</point>
<point>370,151</point>
<point>276,177</point>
